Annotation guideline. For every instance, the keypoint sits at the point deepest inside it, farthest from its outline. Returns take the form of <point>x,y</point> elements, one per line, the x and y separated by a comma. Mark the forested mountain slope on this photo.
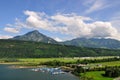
<point>29,49</point>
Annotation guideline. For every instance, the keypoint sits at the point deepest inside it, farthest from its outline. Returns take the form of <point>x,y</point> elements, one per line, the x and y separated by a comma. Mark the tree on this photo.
<point>112,72</point>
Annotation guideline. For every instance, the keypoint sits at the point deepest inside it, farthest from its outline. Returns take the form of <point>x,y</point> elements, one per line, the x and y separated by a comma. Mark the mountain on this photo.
<point>94,43</point>
<point>81,42</point>
<point>35,36</point>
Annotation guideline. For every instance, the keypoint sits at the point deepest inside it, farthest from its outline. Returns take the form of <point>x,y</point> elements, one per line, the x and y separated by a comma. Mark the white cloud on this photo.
<point>69,24</point>
<point>36,20</point>
<point>58,39</point>
<point>76,26</point>
<point>103,29</point>
<point>72,24</point>
<point>12,30</point>
<point>5,37</point>
<point>96,5</point>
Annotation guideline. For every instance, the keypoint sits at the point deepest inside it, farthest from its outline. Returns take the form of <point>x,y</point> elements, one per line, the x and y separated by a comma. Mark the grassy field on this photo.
<point>112,63</point>
<point>67,60</point>
<point>46,59</point>
<point>96,75</point>
<point>34,61</point>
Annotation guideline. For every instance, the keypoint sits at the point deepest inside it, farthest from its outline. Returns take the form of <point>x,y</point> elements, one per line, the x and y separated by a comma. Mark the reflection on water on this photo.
<point>26,74</point>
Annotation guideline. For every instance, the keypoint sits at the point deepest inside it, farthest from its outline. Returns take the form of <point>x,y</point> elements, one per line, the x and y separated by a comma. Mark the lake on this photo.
<point>26,74</point>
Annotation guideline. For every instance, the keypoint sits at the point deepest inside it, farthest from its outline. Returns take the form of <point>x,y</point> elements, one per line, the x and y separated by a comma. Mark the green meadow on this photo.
<point>96,75</point>
<point>111,63</point>
<point>64,59</point>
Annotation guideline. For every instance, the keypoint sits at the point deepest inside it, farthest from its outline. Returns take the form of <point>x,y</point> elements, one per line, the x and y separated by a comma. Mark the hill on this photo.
<point>94,43</point>
<point>30,49</point>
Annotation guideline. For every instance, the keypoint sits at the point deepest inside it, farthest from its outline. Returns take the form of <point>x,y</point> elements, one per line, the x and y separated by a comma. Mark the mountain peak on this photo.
<point>35,36</point>
<point>35,31</point>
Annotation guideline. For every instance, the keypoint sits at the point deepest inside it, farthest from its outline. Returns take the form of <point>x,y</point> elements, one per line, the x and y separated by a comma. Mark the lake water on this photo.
<point>26,74</point>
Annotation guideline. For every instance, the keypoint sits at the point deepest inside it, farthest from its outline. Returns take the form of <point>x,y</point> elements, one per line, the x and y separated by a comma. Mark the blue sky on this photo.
<point>61,19</point>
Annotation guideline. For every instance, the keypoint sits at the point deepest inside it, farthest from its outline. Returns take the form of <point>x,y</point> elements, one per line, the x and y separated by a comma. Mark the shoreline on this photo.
<point>17,65</point>
<point>20,67</point>
<point>9,63</point>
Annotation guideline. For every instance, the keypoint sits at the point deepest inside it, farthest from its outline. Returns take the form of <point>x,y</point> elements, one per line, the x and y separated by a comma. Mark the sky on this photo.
<point>61,19</point>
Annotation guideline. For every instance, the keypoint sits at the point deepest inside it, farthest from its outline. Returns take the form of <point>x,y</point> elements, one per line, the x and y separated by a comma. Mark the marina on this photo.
<point>49,70</point>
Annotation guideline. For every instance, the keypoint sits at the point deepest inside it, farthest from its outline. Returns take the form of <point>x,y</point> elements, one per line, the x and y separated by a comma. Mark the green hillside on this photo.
<point>94,43</point>
<point>29,49</point>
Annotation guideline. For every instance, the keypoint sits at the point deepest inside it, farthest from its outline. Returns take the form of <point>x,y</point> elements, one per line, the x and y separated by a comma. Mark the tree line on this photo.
<point>29,49</point>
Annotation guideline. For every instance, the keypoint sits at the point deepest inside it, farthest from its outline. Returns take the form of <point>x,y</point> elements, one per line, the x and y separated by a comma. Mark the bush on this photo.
<point>112,72</point>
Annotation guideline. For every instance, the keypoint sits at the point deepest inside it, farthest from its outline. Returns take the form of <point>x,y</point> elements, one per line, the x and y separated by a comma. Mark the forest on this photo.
<point>29,49</point>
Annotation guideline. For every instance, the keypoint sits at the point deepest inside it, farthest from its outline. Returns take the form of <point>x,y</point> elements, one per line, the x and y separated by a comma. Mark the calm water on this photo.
<point>26,74</point>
